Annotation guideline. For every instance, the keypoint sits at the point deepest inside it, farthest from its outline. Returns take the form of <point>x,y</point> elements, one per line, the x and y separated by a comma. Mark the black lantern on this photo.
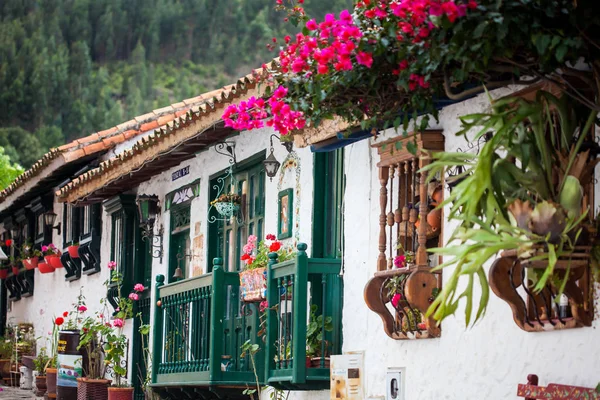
<point>271,164</point>
<point>149,208</point>
<point>49,219</point>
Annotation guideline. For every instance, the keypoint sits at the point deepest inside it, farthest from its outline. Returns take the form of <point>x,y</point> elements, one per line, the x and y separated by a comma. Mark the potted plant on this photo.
<point>5,355</point>
<point>74,250</point>
<point>15,265</point>
<point>51,370</point>
<point>30,256</point>
<point>3,271</point>
<point>253,278</point>
<point>40,363</point>
<point>52,256</point>
<point>227,204</point>
<point>316,345</point>
<point>522,196</point>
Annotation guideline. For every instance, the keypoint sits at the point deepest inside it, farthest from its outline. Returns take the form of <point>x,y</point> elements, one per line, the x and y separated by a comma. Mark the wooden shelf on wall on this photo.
<point>409,223</point>
<point>511,280</point>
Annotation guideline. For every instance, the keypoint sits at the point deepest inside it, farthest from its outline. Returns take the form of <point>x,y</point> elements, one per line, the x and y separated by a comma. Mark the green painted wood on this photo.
<point>289,193</point>
<point>271,323</point>
<point>216,325</point>
<point>157,331</point>
<point>300,315</point>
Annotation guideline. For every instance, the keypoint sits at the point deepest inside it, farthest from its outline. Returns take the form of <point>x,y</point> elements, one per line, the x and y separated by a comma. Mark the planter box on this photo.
<point>116,393</point>
<point>253,283</point>
<point>45,268</point>
<point>73,251</point>
<point>31,263</point>
<point>54,261</point>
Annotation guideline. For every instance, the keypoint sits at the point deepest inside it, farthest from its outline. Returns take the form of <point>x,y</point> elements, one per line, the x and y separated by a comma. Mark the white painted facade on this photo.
<point>486,361</point>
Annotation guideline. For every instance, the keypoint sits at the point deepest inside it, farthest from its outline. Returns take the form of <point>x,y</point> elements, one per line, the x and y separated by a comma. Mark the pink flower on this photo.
<point>134,296</point>
<point>44,249</point>
<point>365,59</point>
<point>311,25</point>
<point>118,323</point>
<point>396,299</point>
<point>112,265</point>
<point>82,308</point>
<point>253,238</point>
<point>399,261</point>
<point>263,305</point>
<point>422,326</point>
<point>138,287</point>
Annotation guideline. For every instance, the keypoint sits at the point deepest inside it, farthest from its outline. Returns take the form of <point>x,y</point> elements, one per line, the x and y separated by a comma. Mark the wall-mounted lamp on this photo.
<point>49,219</point>
<point>3,256</point>
<point>14,232</point>
<point>271,164</point>
<point>149,208</point>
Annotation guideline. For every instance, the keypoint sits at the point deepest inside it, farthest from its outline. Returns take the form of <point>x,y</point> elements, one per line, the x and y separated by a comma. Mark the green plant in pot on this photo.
<point>317,347</point>
<point>40,362</point>
<point>5,355</point>
<point>522,196</point>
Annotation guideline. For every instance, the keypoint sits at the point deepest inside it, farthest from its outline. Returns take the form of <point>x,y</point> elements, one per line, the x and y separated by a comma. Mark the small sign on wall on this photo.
<point>180,173</point>
<point>347,377</point>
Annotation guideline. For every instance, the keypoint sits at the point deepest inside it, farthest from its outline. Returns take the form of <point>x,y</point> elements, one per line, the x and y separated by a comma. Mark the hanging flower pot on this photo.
<point>31,263</point>
<point>227,205</point>
<point>73,251</point>
<point>3,273</point>
<point>54,261</point>
<point>45,268</point>
<point>16,270</point>
<point>253,283</point>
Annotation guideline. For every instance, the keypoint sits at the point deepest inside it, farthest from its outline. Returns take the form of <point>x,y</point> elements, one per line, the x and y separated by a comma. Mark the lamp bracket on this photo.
<point>156,240</point>
<point>227,148</point>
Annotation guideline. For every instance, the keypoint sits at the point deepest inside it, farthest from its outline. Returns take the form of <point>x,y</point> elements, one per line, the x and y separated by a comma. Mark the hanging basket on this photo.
<point>45,268</point>
<point>253,283</point>
<point>3,273</point>
<point>73,251</point>
<point>16,270</point>
<point>30,263</point>
<point>53,261</point>
<point>227,209</point>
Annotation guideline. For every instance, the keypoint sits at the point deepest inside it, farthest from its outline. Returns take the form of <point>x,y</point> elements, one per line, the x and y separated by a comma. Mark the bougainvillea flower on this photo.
<point>396,299</point>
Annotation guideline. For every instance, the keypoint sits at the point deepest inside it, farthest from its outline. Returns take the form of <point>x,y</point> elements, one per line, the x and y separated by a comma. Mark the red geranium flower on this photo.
<point>66,314</point>
<point>275,246</point>
<point>8,242</point>
<point>245,257</point>
<point>59,321</point>
<point>270,236</point>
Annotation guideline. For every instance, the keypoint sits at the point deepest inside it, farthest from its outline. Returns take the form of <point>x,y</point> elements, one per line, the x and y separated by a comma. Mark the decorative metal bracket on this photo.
<point>156,241</point>
<point>227,148</point>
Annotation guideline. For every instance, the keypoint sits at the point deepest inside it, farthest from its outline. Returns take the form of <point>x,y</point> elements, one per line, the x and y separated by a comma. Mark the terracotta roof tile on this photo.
<point>149,126</point>
<point>179,105</point>
<point>130,133</point>
<point>144,118</point>
<point>68,146</point>
<point>94,148</point>
<point>180,113</point>
<point>73,155</point>
<point>163,110</point>
<point>114,140</point>
<point>132,123</point>
<point>108,132</point>
<point>91,138</point>
<point>165,118</point>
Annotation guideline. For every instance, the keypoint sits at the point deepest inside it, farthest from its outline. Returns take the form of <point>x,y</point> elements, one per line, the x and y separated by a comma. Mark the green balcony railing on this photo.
<point>295,290</point>
<point>200,326</point>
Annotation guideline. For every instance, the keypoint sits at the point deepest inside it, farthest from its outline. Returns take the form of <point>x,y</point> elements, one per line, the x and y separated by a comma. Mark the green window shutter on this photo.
<point>329,184</point>
<point>179,243</point>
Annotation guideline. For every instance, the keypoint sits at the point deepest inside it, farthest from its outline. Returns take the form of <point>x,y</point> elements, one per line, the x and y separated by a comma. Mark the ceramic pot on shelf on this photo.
<point>120,393</point>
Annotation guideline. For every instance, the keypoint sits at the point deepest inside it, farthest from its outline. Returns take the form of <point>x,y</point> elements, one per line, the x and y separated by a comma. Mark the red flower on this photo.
<point>270,236</point>
<point>66,314</point>
<point>59,321</point>
<point>245,257</point>
<point>275,246</point>
<point>8,242</point>
<point>396,299</point>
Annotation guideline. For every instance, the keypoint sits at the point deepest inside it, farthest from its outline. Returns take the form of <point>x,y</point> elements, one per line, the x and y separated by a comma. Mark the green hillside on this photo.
<point>72,67</point>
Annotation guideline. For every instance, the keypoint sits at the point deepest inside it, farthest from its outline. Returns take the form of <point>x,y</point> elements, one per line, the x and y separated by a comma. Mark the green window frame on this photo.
<point>226,238</point>
<point>328,211</point>
<point>179,240</point>
<point>70,224</point>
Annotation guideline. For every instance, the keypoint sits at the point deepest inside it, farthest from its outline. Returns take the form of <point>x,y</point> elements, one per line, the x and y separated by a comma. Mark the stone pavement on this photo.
<point>10,393</point>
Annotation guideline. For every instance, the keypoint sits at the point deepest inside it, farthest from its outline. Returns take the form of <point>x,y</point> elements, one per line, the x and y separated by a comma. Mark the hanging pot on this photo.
<point>227,209</point>
<point>434,219</point>
<point>73,251</point>
<point>54,261</point>
<point>117,393</point>
<point>31,263</point>
<point>16,270</point>
<point>3,273</point>
<point>45,268</point>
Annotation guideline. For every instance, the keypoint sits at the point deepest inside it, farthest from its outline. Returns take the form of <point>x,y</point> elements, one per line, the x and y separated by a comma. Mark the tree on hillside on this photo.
<point>8,170</point>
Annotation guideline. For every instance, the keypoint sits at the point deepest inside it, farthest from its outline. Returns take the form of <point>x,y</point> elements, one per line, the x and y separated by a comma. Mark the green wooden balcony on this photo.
<point>295,290</point>
<point>199,327</point>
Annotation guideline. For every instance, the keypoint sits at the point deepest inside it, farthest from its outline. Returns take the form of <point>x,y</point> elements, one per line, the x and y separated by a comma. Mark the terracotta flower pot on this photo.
<point>434,219</point>
<point>45,268</point>
<point>315,362</point>
<point>40,385</point>
<point>16,270</point>
<point>3,273</point>
<point>5,368</point>
<point>73,251</point>
<point>92,389</point>
<point>54,261</point>
<point>116,393</point>
<point>51,380</point>
<point>31,263</point>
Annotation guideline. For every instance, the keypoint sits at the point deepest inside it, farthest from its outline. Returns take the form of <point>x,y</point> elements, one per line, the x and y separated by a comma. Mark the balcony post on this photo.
<point>216,320</point>
<point>158,326</point>
<point>300,314</point>
<point>271,324</point>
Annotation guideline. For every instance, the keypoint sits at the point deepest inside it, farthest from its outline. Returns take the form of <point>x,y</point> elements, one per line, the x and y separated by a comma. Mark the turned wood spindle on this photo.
<point>390,218</point>
<point>383,180</point>
<point>421,256</point>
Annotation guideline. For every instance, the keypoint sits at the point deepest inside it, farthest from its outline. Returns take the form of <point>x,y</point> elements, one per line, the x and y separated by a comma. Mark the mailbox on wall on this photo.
<point>347,376</point>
